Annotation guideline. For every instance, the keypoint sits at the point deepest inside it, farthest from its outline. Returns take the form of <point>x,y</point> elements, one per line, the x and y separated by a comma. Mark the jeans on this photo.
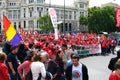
<point>13,77</point>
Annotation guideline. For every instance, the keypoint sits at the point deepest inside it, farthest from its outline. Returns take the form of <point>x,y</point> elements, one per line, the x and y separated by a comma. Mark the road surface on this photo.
<point>97,66</point>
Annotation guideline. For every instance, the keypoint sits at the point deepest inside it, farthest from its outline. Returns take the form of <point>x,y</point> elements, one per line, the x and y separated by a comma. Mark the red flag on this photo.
<point>118,17</point>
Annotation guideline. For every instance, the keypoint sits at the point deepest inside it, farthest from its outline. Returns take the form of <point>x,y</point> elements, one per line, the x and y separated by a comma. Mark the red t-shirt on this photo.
<point>4,75</point>
<point>113,76</point>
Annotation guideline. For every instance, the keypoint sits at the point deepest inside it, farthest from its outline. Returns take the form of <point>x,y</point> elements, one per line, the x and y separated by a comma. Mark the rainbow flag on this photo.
<point>12,35</point>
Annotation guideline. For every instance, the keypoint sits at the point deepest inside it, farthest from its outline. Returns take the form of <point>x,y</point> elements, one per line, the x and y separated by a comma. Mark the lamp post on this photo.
<point>49,3</point>
<point>35,16</point>
<point>64,18</point>
<point>49,7</point>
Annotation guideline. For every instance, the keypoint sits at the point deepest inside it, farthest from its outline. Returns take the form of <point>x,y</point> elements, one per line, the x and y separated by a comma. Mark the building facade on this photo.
<point>111,4</point>
<point>25,13</point>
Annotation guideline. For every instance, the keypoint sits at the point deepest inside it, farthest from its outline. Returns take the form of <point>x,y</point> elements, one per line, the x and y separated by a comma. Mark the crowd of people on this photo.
<point>38,66</point>
<point>85,40</point>
<point>41,57</point>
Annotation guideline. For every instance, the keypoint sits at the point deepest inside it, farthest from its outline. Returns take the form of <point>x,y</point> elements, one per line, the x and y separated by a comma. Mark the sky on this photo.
<point>92,2</point>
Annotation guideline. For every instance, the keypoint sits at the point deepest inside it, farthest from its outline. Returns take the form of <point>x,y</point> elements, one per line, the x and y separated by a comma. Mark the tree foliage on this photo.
<point>100,19</point>
<point>83,20</point>
<point>45,23</point>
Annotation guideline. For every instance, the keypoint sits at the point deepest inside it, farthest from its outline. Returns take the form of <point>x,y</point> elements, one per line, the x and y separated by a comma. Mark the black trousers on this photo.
<point>59,78</point>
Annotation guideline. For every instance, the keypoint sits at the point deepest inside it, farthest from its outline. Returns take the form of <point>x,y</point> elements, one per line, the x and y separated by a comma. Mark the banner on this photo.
<point>118,17</point>
<point>90,49</point>
<point>53,17</point>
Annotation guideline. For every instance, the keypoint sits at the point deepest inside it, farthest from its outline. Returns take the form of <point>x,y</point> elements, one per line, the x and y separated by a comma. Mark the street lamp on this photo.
<point>49,7</point>
<point>64,18</point>
<point>49,3</point>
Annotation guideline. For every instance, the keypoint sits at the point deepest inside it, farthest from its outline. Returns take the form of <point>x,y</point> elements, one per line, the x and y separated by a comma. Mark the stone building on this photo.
<point>25,13</point>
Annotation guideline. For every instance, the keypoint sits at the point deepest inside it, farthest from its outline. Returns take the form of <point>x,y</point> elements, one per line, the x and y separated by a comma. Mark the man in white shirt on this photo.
<point>77,71</point>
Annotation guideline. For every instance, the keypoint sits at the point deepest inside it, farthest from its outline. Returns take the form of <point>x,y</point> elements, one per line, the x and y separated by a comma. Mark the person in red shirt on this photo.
<point>103,45</point>
<point>4,75</point>
<point>115,75</point>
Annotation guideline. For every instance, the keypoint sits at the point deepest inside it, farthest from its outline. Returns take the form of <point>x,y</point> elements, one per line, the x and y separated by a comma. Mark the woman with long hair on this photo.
<point>56,67</point>
<point>37,67</point>
<point>24,68</point>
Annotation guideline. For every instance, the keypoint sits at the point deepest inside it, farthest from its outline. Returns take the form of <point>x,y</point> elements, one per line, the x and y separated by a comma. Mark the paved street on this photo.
<point>98,66</point>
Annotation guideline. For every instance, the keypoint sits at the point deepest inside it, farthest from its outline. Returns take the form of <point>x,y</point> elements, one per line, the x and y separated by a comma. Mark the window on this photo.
<point>66,27</point>
<point>31,23</point>
<point>62,27</point>
<point>38,8</point>
<point>58,16</point>
<point>39,13</point>
<point>82,13</point>
<point>62,16</point>
<point>70,15</point>
<point>10,14</point>
<point>24,9</point>
<point>19,25</point>
<point>66,16</point>
<point>24,24</point>
<point>18,14</point>
<point>47,9</point>
<point>24,12</point>
<point>39,1</point>
<point>30,13</point>
<point>31,1</point>
<point>0,3</point>
<point>10,4</point>
<point>14,4</point>
<point>14,14</point>
<point>15,25</point>
<point>70,27</point>
<point>74,15</point>
<point>81,5</point>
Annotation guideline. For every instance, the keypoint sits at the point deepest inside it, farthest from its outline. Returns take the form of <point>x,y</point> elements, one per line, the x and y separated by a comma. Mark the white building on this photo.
<point>110,4</point>
<point>25,13</point>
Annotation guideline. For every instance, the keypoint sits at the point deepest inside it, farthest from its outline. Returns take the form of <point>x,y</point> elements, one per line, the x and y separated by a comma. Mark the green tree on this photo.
<point>101,19</point>
<point>83,20</point>
<point>45,23</point>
